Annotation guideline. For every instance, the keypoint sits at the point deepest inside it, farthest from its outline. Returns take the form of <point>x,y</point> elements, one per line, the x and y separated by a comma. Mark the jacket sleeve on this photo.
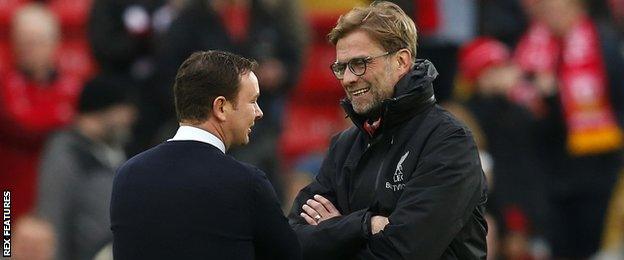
<point>437,201</point>
<point>273,238</point>
<point>335,238</point>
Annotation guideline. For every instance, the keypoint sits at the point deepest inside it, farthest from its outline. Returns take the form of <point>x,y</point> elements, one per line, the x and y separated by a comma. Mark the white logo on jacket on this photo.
<point>397,178</point>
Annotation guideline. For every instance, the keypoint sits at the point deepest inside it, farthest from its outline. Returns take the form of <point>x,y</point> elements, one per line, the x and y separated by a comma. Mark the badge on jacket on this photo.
<point>397,178</point>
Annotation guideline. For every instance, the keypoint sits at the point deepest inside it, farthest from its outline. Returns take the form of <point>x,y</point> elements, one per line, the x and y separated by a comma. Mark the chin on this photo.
<point>371,112</point>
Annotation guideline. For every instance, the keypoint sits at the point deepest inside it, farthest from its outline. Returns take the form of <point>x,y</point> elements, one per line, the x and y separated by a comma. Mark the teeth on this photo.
<point>360,91</point>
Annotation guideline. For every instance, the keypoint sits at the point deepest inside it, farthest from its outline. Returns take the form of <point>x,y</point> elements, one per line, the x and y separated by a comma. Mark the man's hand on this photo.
<point>378,223</point>
<point>318,209</point>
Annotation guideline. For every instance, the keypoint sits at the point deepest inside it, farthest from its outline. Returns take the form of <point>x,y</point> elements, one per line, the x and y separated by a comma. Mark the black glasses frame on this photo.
<point>339,68</point>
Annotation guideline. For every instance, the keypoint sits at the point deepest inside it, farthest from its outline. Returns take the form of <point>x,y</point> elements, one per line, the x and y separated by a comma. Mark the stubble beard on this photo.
<point>369,109</point>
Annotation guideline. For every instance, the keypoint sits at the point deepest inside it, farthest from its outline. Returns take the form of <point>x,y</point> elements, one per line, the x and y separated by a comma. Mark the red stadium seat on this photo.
<point>75,58</point>
<point>308,128</point>
<point>317,81</point>
<point>313,114</point>
<point>322,23</point>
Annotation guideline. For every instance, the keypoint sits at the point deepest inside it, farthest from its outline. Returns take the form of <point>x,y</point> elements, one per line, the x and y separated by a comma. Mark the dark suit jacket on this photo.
<point>188,200</point>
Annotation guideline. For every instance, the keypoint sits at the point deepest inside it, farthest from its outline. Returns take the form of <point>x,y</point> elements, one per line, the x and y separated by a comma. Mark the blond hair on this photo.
<point>385,22</point>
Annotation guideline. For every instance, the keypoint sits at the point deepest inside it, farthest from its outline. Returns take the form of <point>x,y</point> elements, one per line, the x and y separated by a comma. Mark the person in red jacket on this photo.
<point>35,99</point>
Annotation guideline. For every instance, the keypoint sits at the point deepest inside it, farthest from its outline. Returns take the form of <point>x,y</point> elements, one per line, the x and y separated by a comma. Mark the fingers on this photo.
<point>308,218</point>
<point>326,203</point>
<point>311,212</point>
<point>318,207</point>
<point>378,223</point>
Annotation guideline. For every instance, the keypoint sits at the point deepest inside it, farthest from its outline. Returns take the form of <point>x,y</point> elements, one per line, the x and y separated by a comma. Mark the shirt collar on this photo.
<point>190,133</point>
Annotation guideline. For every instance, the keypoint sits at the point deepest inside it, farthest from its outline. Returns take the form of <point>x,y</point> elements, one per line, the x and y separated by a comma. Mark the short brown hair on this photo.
<point>383,21</point>
<point>203,77</point>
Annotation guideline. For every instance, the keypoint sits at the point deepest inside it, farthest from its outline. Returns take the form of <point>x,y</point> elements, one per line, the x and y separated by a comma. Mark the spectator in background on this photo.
<point>509,128</point>
<point>121,34</point>
<point>269,31</point>
<point>617,12</point>
<point>124,36</point>
<point>32,239</point>
<point>443,26</point>
<point>78,166</point>
<point>35,99</point>
<point>503,19</point>
<point>577,68</point>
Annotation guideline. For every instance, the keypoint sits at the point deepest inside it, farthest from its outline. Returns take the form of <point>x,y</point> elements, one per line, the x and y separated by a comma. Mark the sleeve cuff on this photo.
<point>366,225</point>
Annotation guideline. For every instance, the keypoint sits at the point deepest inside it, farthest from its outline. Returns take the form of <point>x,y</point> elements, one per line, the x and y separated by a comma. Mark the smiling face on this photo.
<point>366,92</point>
<point>245,110</point>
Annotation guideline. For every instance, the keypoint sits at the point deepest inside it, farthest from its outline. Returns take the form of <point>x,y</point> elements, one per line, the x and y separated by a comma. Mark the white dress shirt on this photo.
<point>190,133</point>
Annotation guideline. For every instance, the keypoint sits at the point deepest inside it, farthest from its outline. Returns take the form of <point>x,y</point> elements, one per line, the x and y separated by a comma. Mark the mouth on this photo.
<point>359,92</point>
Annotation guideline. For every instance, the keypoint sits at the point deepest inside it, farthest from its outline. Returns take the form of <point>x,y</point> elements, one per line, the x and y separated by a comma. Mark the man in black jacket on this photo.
<point>186,199</point>
<point>405,182</point>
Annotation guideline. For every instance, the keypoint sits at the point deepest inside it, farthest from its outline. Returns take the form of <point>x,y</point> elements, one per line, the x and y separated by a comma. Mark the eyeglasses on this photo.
<point>356,65</point>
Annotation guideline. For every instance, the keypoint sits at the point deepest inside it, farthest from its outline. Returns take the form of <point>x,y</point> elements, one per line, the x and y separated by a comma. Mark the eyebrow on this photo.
<point>356,57</point>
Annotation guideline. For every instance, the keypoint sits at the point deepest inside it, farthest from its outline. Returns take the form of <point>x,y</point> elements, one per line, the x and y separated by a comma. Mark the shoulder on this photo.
<point>62,140</point>
<point>60,146</point>
<point>343,142</point>
<point>248,170</point>
<point>439,126</point>
<point>61,158</point>
<point>443,122</point>
<point>192,162</point>
<point>346,136</point>
<point>181,154</point>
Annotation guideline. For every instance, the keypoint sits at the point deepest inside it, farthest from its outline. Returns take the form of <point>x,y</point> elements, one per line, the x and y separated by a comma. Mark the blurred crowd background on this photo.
<point>86,84</point>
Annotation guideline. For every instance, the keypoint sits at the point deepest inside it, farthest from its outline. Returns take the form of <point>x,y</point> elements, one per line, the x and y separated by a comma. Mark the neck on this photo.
<point>39,74</point>
<point>374,115</point>
<point>211,127</point>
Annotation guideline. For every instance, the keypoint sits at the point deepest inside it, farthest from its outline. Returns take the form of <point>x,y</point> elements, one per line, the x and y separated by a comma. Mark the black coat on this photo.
<point>510,131</point>
<point>421,169</point>
<point>188,200</point>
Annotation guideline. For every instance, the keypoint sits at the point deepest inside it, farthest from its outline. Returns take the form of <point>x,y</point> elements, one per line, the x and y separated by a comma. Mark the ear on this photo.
<point>220,108</point>
<point>404,60</point>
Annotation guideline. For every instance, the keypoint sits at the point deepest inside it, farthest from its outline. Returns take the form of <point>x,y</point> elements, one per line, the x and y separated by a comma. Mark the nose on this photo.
<point>349,77</point>
<point>258,112</point>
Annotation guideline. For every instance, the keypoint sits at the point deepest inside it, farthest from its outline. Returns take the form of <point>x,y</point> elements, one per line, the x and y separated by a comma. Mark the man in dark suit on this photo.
<point>185,198</point>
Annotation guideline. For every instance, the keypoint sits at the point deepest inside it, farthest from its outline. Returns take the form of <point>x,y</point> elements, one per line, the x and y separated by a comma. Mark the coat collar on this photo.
<point>413,93</point>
